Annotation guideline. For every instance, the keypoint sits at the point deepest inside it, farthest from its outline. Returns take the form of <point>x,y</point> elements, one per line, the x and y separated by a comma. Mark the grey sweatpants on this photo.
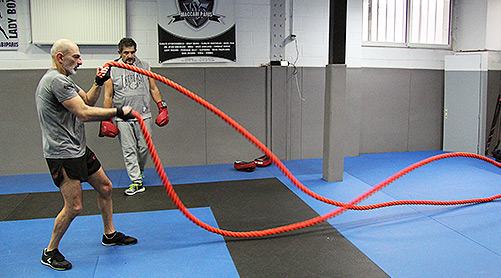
<point>134,148</point>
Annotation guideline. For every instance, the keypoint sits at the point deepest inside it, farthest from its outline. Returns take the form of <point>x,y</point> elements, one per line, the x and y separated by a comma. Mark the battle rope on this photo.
<point>342,206</point>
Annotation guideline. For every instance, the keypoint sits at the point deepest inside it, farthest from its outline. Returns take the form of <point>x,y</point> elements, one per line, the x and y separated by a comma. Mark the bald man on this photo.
<point>62,108</point>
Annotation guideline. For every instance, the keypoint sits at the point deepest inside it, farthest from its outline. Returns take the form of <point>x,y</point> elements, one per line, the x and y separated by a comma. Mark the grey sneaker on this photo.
<point>55,260</point>
<point>135,188</point>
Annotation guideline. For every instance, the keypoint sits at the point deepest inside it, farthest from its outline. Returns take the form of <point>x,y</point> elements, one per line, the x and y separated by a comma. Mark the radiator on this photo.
<point>86,22</point>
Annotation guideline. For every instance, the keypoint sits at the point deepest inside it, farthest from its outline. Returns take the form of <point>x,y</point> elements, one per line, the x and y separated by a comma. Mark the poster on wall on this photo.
<point>8,25</point>
<point>196,31</point>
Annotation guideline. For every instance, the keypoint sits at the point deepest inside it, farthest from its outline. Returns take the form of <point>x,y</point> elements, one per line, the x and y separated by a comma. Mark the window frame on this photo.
<point>406,44</point>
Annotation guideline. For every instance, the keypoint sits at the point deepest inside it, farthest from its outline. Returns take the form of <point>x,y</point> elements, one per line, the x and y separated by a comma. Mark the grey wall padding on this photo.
<point>21,141</point>
<point>426,102</point>
<point>386,110</point>
<point>402,110</point>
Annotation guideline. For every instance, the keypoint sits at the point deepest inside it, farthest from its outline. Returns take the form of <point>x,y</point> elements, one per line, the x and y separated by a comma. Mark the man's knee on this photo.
<point>102,184</point>
<point>74,209</point>
<point>77,209</point>
<point>106,189</point>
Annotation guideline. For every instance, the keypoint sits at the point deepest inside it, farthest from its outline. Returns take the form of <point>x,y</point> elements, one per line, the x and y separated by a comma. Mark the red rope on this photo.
<point>342,206</point>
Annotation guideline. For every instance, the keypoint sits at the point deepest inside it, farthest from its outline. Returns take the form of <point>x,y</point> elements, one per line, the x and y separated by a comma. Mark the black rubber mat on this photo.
<point>317,251</point>
<point>48,204</point>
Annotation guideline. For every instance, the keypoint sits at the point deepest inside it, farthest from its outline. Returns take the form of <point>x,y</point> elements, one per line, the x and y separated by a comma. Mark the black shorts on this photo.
<point>76,168</point>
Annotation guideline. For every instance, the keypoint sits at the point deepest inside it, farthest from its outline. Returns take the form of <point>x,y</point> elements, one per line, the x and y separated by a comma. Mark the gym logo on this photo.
<point>197,13</point>
<point>132,80</point>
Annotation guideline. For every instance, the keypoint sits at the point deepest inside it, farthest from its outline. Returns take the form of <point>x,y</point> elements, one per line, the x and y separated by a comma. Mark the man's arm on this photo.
<point>108,94</point>
<point>86,113</point>
<point>163,115</point>
<point>154,91</point>
<point>91,97</point>
<point>107,128</point>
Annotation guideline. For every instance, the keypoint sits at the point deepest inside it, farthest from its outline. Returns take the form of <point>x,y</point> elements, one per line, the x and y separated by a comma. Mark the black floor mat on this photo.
<point>48,204</point>
<point>316,251</point>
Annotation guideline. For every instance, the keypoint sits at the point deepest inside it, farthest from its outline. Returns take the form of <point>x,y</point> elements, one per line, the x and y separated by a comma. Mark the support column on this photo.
<point>334,123</point>
<point>279,108</point>
<point>335,94</point>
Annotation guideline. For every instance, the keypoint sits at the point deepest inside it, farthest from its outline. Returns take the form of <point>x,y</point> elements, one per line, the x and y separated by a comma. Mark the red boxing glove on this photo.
<point>246,166</point>
<point>108,129</point>
<point>163,114</point>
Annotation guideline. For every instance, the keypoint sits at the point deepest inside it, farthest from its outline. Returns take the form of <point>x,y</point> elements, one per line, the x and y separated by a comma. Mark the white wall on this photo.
<point>311,26</point>
<point>309,23</point>
<point>493,38</point>
<point>477,24</point>
<point>476,28</point>
<point>470,20</point>
<point>252,19</point>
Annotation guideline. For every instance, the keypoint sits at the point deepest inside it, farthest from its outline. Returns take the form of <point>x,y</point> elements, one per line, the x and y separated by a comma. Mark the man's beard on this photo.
<point>71,70</point>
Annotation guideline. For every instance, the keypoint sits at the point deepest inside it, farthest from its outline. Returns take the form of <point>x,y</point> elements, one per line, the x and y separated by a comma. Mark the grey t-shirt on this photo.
<point>132,89</point>
<point>63,134</point>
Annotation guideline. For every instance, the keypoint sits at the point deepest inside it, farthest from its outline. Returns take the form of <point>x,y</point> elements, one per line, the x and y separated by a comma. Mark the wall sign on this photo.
<point>9,38</point>
<point>196,31</point>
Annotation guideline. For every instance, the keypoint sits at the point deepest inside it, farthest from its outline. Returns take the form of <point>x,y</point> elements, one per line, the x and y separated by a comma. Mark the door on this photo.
<point>462,103</point>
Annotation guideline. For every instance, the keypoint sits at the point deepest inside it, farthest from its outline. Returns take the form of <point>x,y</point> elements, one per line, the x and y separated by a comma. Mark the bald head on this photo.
<point>65,56</point>
<point>64,46</point>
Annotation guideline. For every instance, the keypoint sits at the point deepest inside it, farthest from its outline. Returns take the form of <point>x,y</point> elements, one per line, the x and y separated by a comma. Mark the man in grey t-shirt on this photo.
<point>62,108</point>
<point>126,87</point>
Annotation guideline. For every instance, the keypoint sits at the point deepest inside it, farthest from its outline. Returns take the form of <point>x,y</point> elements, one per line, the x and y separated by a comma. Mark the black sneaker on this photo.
<point>118,239</point>
<point>55,260</point>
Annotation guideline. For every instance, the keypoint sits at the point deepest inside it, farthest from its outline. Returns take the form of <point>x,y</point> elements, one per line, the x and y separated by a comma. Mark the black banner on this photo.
<point>196,31</point>
<point>173,47</point>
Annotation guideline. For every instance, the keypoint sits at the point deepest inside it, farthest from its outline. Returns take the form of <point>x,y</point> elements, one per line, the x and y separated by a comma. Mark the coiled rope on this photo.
<point>341,206</point>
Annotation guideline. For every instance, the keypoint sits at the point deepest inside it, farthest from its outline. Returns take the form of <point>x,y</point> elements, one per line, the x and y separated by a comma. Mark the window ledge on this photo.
<point>404,45</point>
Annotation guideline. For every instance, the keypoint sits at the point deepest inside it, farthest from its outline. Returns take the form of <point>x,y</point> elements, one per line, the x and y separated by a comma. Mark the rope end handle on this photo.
<point>106,65</point>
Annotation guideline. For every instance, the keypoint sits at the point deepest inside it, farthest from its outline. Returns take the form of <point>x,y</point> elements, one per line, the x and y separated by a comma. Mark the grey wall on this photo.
<point>20,143</point>
<point>386,110</point>
<point>401,110</point>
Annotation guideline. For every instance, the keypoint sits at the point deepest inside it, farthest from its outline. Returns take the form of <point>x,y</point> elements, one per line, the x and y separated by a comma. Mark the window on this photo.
<point>407,22</point>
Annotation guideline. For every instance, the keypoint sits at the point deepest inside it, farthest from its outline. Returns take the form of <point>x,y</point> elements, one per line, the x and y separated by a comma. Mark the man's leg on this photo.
<point>143,151</point>
<point>71,191</point>
<point>102,184</point>
<point>128,143</point>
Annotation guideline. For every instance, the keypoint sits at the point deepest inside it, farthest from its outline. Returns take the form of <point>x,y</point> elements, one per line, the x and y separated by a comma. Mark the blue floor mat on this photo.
<point>404,241</point>
<point>418,241</point>
<point>169,246</point>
